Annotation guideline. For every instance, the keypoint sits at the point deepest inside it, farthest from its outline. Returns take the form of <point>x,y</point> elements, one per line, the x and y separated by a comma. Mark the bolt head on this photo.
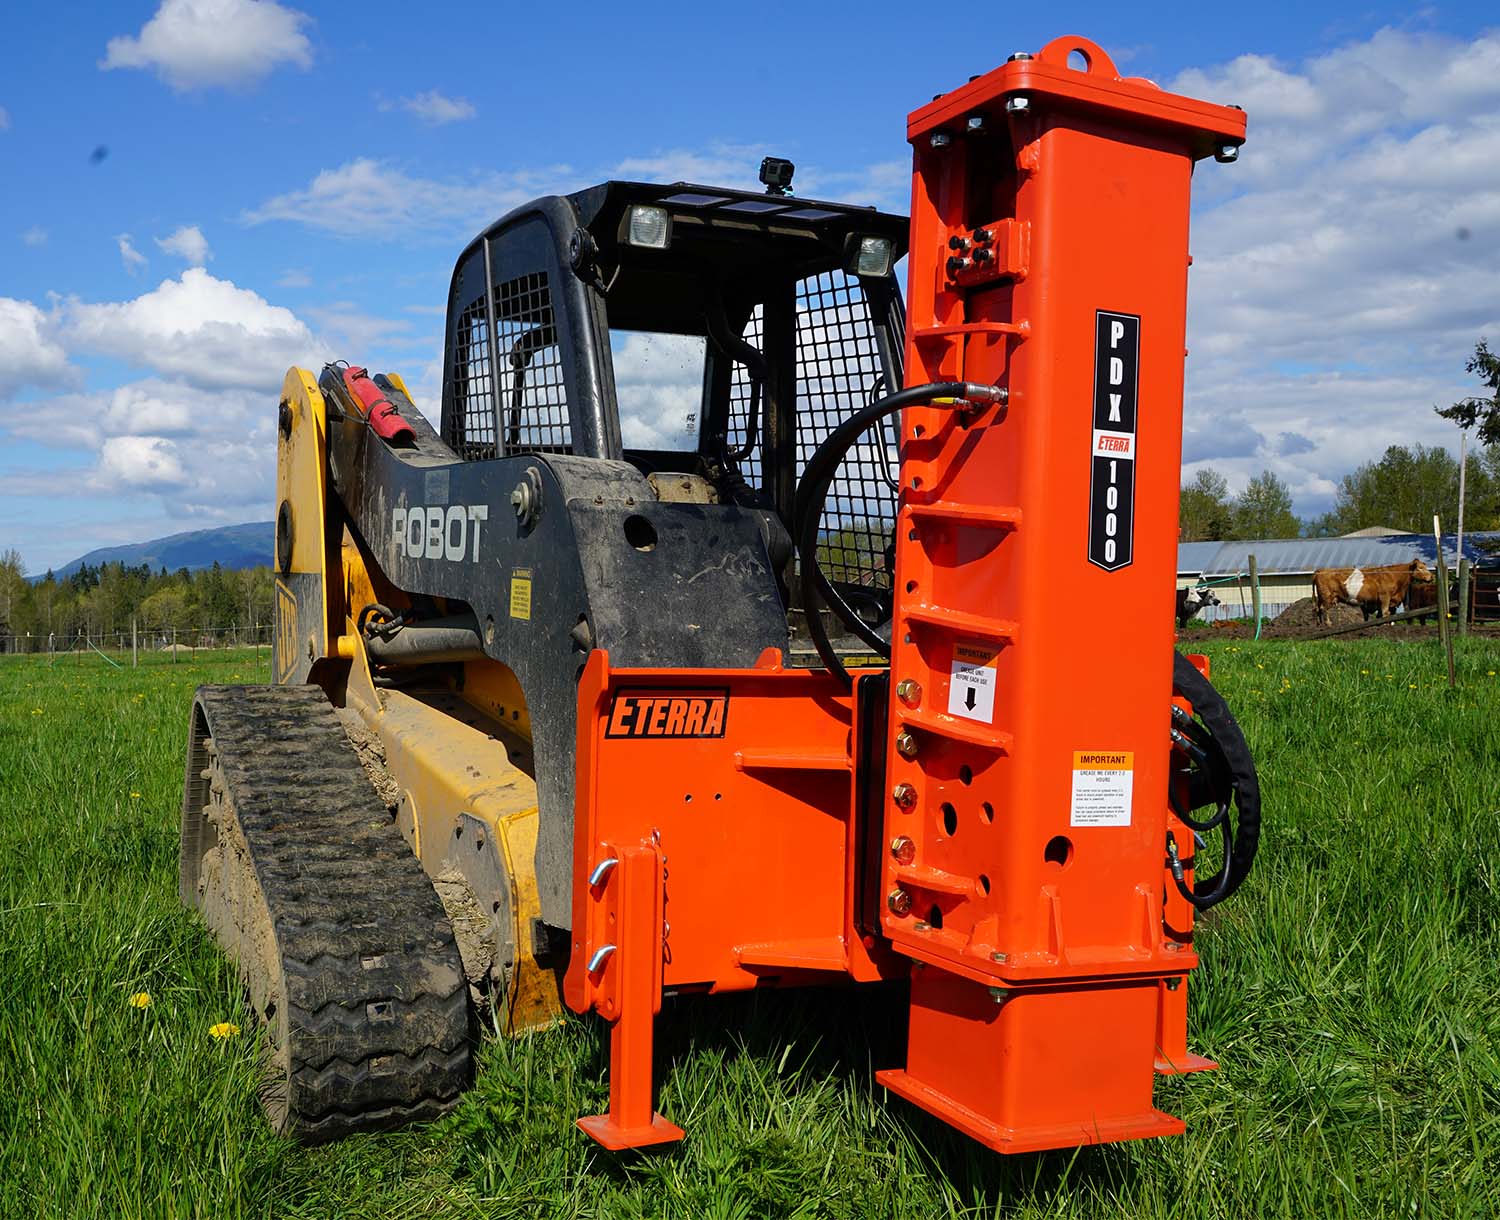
<point>909,691</point>
<point>975,122</point>
<point>904,795</point>
<point>999,994</point>
<point>903,850</point>
<point>940,139</point>
<point>1020,104</point>
<point>1227,153</point>
<point>999,957</point>
<point>1173,984</point>
<point>1017,57</point>
<point>898,902</point>
<point>906,744</point>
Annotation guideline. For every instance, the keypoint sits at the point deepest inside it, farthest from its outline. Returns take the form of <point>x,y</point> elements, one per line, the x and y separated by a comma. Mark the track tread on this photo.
<point>375,1004</point>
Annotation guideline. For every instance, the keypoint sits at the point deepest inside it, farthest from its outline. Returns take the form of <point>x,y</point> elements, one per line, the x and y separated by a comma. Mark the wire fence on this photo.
<point>142,646</point>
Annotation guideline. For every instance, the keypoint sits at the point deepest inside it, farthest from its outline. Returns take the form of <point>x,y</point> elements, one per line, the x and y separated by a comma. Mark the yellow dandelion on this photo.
<point>36,711</point>
<point>1364,671</point>
<point>1258,665</point>
<point>1411,686</point>
<point>1492,673</point>
<point>135,796</point>
<point>141,999</point>
<point>224,1029</point>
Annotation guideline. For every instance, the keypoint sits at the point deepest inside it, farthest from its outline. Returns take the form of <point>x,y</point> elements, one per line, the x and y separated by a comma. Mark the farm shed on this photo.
<point>1287,565</point>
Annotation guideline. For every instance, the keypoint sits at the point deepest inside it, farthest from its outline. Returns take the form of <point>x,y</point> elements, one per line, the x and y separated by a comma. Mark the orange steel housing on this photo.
<point>1047,968</point>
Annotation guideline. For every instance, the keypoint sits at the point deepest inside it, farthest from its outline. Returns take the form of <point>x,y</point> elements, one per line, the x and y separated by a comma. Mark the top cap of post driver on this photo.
<point>1098,86</point>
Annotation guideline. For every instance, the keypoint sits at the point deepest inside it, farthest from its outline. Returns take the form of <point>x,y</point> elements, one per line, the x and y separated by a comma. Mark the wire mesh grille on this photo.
<point>533,397</point>
<point>838,365</point>
<point>473,427</point>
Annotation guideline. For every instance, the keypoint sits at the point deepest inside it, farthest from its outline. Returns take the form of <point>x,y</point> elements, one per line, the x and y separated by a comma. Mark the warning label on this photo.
<point>1102,782</point>
<point>971,683</point>
<point>520,593</point>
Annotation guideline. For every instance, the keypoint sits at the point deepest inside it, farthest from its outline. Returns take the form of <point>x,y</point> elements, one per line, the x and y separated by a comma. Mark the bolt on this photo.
<point>975,122</point>
<point>957,264</point>
<point>520,500</point>
<point>903,849</point>
<point>921,926</point>
<point>1019,55</point>
<point>909,691</point>
<point>983,256</point>
<point>1226,153</point>
<point>982,235</point>
<point>904,795</point>
<point>1173,947</point>
<point>906,744</point>
<point>1020,104</point>
<point>999,994</point>
<point>1173,984</point>
<point>961,244</point>
<point>999,957</point>
<point>940,139</point>
<point>898,902</point>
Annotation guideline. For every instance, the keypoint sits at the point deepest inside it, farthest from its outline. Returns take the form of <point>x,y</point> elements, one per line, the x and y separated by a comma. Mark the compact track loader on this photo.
<point>711,642</point>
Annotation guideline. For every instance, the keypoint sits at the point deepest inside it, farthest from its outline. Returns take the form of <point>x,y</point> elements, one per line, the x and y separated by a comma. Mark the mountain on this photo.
<point>233,546</point>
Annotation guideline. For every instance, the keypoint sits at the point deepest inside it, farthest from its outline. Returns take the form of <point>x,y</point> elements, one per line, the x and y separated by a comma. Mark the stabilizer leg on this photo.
<point>628,978</point>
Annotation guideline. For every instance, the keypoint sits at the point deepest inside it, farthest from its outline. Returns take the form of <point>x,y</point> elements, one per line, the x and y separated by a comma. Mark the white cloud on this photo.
<point>434,107</point>
<point>131,258</point>
<point>368,198</point>
<point>294,277</point>
<point>35,236</point>
<point>195,44</point>
<point>4,119</point>
<point>30,353</point>
<point>188,244</point>
<point>659,384</point>
<point>1343,267</point>
<point>147,463</point>
<point>208,332</point>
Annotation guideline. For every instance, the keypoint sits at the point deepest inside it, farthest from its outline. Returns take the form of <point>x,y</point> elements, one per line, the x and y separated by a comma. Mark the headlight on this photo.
<point>648,226</point>
<point>872,257</point>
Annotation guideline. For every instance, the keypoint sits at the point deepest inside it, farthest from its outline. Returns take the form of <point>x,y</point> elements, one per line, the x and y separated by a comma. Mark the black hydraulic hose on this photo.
<point>1232,771</point>
<point>812,494</point>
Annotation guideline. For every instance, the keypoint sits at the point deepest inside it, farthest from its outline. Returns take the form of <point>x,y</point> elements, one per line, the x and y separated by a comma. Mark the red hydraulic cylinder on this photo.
<point>1029,762</point>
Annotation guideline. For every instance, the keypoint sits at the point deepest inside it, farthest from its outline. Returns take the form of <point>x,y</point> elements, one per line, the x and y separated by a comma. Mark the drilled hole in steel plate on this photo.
<point>458,832</point>
<point>640,533</point>
<point>988,810</point>
<point>1059,851</point>
<point>495,907</point>
<point>911,586</point>
<point>950,819</point>
<point>911,535</point>
<point>965,774</point>
<point>916,482</point>
<point>1078,60</point>
<point>935,917</point>
<point>687,796</point>
<point>718,796</point>
<point>984,883</point>
<point>919,430</point>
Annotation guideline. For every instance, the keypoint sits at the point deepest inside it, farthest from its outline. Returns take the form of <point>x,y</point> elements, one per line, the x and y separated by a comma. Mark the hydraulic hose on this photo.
<point>812,494</point>
<point>1225,763</point>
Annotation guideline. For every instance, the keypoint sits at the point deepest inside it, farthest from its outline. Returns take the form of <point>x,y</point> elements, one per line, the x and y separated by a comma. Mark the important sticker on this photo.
<point>520,593</point>
<point>1102,784</point>
<point>971,682</point>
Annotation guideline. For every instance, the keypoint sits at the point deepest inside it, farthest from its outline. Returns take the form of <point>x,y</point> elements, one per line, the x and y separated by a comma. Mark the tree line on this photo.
<point>107,598</point>
<point>1401,492</point>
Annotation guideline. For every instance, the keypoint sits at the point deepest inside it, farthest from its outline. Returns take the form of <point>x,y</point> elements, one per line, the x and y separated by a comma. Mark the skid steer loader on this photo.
<point>728,555</point>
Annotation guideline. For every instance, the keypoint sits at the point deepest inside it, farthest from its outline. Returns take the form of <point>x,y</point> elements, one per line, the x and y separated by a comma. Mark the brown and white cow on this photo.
<point>1371,589</point>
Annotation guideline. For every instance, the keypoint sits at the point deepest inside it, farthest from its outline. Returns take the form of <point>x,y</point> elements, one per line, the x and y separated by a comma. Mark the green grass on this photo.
<point>1351,991</point>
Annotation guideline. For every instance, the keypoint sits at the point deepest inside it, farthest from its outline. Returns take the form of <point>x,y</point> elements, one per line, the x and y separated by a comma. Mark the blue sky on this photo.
<point>201,192</point>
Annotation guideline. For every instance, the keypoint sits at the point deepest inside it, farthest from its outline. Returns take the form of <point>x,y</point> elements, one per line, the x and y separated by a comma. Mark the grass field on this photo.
<point>1351,991</point>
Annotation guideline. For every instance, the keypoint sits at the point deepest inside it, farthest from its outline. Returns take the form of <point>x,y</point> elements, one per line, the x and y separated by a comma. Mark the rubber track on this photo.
<point>376,1005</point>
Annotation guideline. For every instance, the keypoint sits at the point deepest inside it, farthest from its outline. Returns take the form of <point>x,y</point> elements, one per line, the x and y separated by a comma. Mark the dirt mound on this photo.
<point>1303,616</point>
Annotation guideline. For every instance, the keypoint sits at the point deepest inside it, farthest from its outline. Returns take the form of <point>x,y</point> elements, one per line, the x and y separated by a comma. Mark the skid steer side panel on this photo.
<point>1049,256</point>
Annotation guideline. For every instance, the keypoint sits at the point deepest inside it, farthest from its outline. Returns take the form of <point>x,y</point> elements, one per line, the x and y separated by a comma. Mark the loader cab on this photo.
<point>710,337</point>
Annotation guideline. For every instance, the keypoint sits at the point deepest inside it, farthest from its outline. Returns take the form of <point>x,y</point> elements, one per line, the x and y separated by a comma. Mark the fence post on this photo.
<point>1442,592</point>
<point>1255,594</point>
<point>174,645</point>
<point>135,661</point>
<point>1463,595</point>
